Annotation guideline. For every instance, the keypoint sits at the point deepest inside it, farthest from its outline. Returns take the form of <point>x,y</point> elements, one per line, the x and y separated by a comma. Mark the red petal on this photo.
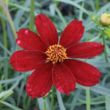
<point>40,82</point>
<point>84,73</point>
<point>46,29</point>
<point>72,33</point>
<point>63,78</point>
<point>85,50</point>
<point>29,40</point>
<point>26,60</point>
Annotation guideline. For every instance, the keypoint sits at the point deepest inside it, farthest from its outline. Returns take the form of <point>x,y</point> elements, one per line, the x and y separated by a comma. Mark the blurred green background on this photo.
<point>16,14</point>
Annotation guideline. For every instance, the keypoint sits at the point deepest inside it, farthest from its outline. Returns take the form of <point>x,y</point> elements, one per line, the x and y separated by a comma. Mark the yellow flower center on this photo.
<point>56,53</point>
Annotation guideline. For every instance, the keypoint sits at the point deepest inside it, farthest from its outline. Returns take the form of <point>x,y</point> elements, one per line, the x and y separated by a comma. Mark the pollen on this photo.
<point>56,53</point>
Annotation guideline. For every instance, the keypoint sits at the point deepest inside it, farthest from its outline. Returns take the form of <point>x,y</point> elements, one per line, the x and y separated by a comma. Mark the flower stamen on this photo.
<point>56,53</point>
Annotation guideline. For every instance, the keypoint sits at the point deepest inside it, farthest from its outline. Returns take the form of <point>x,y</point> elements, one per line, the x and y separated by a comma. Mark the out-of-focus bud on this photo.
<point>107,33</point>
<point>105,19</point>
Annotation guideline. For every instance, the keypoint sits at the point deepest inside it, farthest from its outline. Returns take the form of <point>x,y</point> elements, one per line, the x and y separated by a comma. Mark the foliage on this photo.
<point>16,14</point>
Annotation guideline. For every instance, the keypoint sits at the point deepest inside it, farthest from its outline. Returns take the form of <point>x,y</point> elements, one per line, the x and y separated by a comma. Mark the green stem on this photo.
<point>5,70</point>
<point>4,33</point>
<point>61,16</point>
<point>52,100</point>
<point>6,12</point>
<point>105,51</point>
<point>32,6</point>
<point>88,99</point>
<point>107,102</point>
<point>97,5</point>
<point>28,103</point>
<point>44,103</point>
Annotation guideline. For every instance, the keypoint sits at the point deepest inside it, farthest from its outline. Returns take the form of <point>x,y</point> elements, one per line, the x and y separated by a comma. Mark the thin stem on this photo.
<point>97,5</point>
<point>52,100</point>
<point>60,101</point>
<point>6,12</point>
<point>28,103</point>
<point>61,16</point>
<point>5,70</point>
<point>107,102</point>
<point>105,51</point>
<point>75,5</point>
<point>44,103</point>
<point>32,6</point>
<point>88,99</point>
<point>4,33</point>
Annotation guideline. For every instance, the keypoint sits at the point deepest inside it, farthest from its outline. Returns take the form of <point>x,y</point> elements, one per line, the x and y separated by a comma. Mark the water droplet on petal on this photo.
<point>26,31</point>
<point>18,41</point>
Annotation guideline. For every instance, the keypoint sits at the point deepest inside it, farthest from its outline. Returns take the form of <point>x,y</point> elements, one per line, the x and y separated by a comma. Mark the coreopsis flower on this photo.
<point>54,61</point>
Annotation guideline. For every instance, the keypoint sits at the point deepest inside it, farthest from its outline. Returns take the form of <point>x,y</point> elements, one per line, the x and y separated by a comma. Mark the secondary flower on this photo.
<point>53,60</point>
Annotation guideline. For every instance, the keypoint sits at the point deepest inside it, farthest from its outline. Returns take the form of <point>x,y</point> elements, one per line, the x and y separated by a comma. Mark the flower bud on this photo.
<point>105,19</point>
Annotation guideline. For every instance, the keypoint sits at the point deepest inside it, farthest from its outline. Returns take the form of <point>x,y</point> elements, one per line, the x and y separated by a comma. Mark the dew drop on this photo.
<point>26,31</point>
<point>18,41</point>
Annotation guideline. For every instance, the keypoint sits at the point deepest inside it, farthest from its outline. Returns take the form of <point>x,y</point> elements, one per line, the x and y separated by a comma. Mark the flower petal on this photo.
<point>63,78</point>
<point>72,33</point>
<point>84,73</point>
<point>46,29</point>
<point>26,60</point>
<point>40,82</point>
<point>85,50</point>
<point>29,40</point>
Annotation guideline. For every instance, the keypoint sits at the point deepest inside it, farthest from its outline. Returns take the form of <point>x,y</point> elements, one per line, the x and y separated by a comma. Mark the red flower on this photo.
<point>51,59</point>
